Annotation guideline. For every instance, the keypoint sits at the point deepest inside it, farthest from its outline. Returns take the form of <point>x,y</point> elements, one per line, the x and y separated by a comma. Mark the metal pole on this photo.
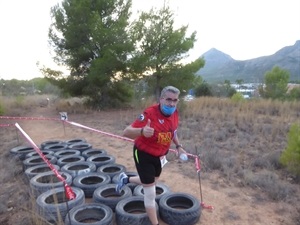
<point>199,178</point>
<point>17,136</point>
<point>203,205</point>
<point>63,122</point>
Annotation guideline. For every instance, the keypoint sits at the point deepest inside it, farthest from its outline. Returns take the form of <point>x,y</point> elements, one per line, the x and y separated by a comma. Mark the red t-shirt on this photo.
<point>164,130</point>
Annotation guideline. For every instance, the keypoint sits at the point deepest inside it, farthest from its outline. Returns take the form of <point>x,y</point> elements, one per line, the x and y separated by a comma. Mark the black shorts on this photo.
<point>147,166</point>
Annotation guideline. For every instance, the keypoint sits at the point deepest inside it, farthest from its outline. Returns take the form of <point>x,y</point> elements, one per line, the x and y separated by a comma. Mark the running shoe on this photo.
<point>122,181</point>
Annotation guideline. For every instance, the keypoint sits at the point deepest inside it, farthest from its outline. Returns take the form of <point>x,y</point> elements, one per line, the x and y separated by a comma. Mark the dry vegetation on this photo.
<point>241,142</point>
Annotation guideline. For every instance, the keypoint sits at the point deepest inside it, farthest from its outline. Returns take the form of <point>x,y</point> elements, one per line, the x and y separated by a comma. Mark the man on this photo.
<point>153,133</point>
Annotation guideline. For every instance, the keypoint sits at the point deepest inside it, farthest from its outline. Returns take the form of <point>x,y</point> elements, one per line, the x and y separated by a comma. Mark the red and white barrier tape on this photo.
<point>6,125</point>
<point>69,192</point>
<point>98,131</point>
<point>197,164</point>
<point>116,136</point>
<point>27,118</point>
<point>197,161</point>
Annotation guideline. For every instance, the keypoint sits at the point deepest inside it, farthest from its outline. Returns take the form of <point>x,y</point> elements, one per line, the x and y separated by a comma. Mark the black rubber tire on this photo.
<point>35,170</point>
<point>37,160</point>
<point>115,178</point>
<point>90,213</point>
<point>46,181</point>
<point>89,152</point>
<point>161,189</point>
<point>78,168</point>
<point>107,195</point>
<point>75,141</point>
<point>81,146</point>
<point>68,152</point>
<point>90,182</point>
<point>21,151</point>
<point>131,210</point>
<point>111,169</point>
<point>54,142</point>
<point>69,159</point>
<point>45,152</point>
<point>179,209</point>
<point>101,159</point>
<point>53,203</point>
<point>56,147</point>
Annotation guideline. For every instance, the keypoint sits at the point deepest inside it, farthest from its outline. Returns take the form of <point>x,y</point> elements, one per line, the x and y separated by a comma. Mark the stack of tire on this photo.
<point>93,174</point>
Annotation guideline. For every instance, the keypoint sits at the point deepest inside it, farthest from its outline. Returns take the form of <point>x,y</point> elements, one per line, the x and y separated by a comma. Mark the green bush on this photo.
<point>204,89</point>
<point>291,155</point>
<point>1,109</point>
<point>19,101</point>
<point>237,97</point>
<point>294,94</point>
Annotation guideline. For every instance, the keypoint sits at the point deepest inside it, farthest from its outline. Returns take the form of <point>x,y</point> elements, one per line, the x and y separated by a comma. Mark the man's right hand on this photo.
<point>148,131</point>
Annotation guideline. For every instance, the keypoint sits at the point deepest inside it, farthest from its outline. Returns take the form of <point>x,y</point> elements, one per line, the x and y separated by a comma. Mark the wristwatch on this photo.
<point>178,146</point>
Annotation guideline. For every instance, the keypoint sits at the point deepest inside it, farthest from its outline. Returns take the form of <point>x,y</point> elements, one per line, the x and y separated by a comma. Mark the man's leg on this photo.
<point>135,179</point>
<point>149,201</point>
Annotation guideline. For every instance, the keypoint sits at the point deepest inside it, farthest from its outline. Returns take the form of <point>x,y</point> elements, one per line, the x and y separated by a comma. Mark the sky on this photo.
<point>243,29</point>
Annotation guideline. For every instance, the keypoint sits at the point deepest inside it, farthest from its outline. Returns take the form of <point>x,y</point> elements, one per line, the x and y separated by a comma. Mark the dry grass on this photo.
<point>16,106</point>
<point>241,141</point>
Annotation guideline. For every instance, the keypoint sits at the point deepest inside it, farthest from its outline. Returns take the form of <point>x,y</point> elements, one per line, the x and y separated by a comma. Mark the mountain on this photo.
<point>220,66</point>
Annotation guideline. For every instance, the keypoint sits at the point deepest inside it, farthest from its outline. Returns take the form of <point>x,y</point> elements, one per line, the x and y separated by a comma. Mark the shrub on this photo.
<point>213,159</point>
<point>237,97</point>
<point>270,183</point>
<point>294,94</point>
<point>204,89</point>
<point>19,101</point>
<point>291,155</point>
<point>1,109</point>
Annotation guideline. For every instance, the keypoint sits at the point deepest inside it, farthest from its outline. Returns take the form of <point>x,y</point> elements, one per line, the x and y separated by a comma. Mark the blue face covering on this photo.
<point>168,110</point>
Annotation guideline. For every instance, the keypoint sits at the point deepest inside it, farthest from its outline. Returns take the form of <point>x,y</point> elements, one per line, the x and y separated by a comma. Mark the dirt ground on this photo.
<point>232,205</point>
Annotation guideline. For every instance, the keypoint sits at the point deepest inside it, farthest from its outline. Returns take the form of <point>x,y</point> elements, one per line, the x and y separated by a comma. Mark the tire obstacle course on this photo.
<point>95,178</point>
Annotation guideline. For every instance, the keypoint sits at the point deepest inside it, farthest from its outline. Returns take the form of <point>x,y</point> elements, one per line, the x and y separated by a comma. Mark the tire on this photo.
<point>81,146</point>
<point>56,147</point>
<point>75,141</point>
<point>53,205</point>
<point>101,159</point>
<point>111,169</point>
<point>37,160</point>
<point>179,209</point>
<point>89,152</point>
<point>54,142</point>
<point>115,178</point>
<point>90,182</point>
<point>45,181</point>
<point>21,151</point>
<point>131,210</point>
<point>106,194</point>
<point>68,159</point>
<point>35,170</point>
<point>45,152</point>
<point>94,213</point>
<point>68,152</point>
<point>78,168</point>
<point>161,189</point>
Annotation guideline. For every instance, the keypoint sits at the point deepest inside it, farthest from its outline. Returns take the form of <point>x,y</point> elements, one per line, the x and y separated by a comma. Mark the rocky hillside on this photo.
<point>220,66</point>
